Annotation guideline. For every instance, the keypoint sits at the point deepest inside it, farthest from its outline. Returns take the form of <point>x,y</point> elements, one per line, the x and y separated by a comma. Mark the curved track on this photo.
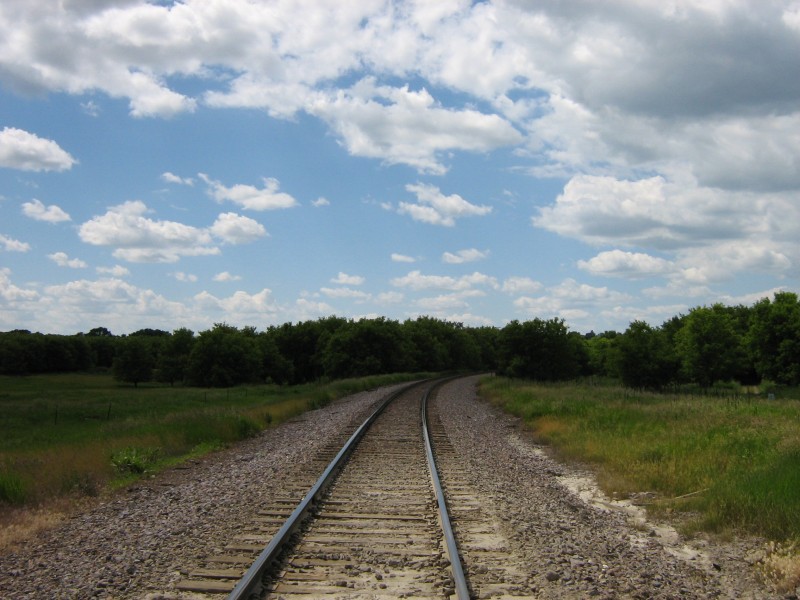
<point>376,531</point>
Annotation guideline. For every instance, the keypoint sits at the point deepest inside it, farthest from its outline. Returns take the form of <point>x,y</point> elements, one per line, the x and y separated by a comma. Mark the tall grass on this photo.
<point>733,462</point>
<point>78,433</point>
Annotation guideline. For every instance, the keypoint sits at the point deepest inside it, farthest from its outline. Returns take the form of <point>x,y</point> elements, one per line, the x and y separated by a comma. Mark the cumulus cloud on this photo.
<point>138,238</point>
<point>437,209</point>
<point>26,151</point>
<point>521,285</point>
<point>237,229</point>
<point>225,277</point>
<point>115,271</point>
<point>11,245</point>
<point>321,201</point>
<point>345,292</point>
<point>250,197</point>
<point>172,178</point>
<point>10,292</point>
<point>416,281</point>
<point>403,126</point>
<point>345,279</point>
<point>633,265</point>
<point>240,305</point>
<point>464,256</point>
<point>62,260</point>
<point>185,277</point>
<point>50,214</point>
<point>402,258</point>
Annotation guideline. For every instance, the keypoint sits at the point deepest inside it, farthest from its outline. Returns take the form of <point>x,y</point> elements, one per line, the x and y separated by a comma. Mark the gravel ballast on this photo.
<point>136,543</point>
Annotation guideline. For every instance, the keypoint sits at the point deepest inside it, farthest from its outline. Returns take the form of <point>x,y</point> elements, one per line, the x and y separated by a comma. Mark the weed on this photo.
<point>781,566</point>
<point>134,460</point>
<point>12,489</point>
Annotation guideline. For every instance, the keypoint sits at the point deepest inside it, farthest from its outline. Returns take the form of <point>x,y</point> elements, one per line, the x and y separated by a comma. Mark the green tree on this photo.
<point>173,363</point>
<point>366,347</point>
<point>540,350</point>
<point>133,361</point>
<point>709,346</point>
<point>224,356</point>
<point>646,358</point>
<point>773,339</point>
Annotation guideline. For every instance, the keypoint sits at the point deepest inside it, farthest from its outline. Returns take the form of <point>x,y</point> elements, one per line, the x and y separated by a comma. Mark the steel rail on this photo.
<point>251,581</point>
<point>459,579</point>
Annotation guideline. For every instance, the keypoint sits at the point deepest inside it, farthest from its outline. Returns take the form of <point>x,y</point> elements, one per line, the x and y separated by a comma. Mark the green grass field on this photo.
<point>726,464</point>
<point>76,434</point>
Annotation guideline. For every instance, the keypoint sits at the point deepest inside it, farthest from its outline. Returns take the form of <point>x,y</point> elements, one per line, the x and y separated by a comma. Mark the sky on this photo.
<point>176,164</point>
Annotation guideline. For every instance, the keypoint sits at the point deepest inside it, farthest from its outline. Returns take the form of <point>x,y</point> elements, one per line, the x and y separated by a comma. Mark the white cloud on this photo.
<point>237,229</point>
<point>416,281</point>
<point>185,277</point>
<point>115,271</point>
<point>62,260</point>
<point>321,202</point>
<point>446,302</point>
<point>28,152</point>
<point>10,292</point>
<point>172,178</point>
<point>116,303</point>
<point>11,245</point>
<point>240,306</point>
<point>250,197</point>
<point>437,209</point>
<point>402,258</point>
<point>136,238</point>
<point>345,279</point>
<point>633,265</point>
<point>389,298</point>
<point>402,126</point>
<point>577,303</point>
<point>345,292</point>
<point>521,285</point>
<point>225,276</point>
<point>38,211</point>
<point>464,256</point>
<point>716,232</point>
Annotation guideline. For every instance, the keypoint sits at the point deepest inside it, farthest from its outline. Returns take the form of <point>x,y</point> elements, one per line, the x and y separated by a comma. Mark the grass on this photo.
<point>726,464</point>
<point>78,434</point>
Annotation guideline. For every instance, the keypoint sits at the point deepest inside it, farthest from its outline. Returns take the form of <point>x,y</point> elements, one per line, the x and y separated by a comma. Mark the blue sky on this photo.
<point>177,164</point>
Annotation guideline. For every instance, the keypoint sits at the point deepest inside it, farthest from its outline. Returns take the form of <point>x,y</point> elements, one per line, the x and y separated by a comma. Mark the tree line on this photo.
<point>709,344</point>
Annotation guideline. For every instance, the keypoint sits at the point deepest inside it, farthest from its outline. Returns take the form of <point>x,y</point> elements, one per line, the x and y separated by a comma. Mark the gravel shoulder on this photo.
<point>578,543</point>
<point>135,543</point>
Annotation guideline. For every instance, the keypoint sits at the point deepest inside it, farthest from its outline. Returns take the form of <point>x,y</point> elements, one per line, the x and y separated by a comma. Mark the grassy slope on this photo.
<point>60,433</point>
<point>733,462</point>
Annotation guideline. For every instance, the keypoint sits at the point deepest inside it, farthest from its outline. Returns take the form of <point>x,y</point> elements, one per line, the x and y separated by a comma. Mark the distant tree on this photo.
<point>603,353</point>
<point>303,344</point>
<point>366,347</point>
<point>224,356</point>
<point>173,362</point>
<point>147,332</point>
<point>275,367</point>
<point>773,339</point>
<point>133,362</point>
<point>99,332</point>
<point>540,350</point>
<point>709,346</point>
<point>103,345</point>
<point>646,358</point>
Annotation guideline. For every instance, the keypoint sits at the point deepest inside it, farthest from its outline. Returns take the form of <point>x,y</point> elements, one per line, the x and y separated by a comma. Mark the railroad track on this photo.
<point>376,524</point>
